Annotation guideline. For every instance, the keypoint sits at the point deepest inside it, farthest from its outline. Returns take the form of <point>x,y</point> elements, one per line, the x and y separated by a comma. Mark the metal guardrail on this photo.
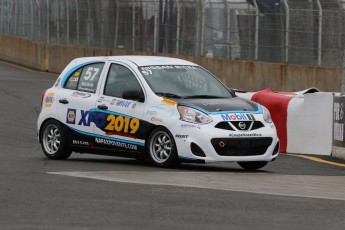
<point>307,32</point>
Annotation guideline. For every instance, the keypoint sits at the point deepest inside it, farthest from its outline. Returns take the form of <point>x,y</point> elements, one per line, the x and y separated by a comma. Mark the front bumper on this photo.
<point>209,144</point>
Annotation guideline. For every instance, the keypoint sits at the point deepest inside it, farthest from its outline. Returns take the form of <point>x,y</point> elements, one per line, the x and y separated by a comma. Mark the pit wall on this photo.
<point>248,75</point>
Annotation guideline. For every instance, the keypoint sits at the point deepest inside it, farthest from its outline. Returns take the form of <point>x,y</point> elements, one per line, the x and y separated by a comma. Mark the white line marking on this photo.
<point>322,187</point>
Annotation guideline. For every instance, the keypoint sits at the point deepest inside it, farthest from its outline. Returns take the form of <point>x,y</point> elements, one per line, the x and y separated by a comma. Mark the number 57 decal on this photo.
<point>91,73</point>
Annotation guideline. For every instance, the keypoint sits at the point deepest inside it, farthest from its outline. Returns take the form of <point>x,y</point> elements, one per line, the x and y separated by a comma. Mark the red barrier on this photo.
<point>277,104</point>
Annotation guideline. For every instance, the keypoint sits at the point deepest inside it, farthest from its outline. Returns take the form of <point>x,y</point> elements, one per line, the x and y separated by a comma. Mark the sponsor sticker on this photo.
<point>190,126</point>
<point>71,116</point>
<point>237,117</point>
<point>49,100</point>
<point>78,142</point>
<point>151,113</point>
<point>123,104</point>
<point>81,94</point>
<point>181,136</point>
<point>169,102</point>
<point>115,143</point>
<point>245,135</point>
<point>156,119</point>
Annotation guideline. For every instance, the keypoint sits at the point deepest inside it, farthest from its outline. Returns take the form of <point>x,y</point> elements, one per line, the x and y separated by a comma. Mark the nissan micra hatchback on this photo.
<point>165,109</point>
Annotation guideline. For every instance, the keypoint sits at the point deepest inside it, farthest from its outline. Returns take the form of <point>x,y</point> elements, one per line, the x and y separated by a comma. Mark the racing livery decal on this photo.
<point>110,123</point>
<point>71,116</point>
<point>49,100</point>
<point>116,143</point>
<point>169,102</point>
<point>81,94</point>
<point>237,117</point>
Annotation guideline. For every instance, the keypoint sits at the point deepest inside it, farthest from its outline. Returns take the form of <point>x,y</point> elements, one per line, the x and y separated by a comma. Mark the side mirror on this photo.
<point>134,95</point>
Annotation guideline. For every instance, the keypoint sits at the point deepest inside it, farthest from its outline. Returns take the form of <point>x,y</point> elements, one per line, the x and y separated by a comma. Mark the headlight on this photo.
<point>192,115</point>
<point>267,115</point>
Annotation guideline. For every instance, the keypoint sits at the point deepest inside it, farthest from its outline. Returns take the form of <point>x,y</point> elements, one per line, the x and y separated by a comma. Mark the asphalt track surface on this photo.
<point>95,192</point>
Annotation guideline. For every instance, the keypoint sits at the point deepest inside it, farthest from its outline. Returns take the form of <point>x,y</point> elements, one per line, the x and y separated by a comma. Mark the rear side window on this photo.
<point>85,78</point>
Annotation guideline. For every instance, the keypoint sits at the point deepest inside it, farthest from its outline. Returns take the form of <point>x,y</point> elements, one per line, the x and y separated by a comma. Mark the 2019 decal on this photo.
<point>122,124</point>
<point>111,124</point>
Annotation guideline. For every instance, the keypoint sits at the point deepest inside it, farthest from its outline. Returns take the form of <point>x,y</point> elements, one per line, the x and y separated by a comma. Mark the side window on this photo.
<point>86,78</point>
<point>72,81</point>
<point>120,79</point>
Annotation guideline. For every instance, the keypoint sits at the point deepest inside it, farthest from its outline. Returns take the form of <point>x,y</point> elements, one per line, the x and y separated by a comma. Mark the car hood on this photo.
<point>220,104</point>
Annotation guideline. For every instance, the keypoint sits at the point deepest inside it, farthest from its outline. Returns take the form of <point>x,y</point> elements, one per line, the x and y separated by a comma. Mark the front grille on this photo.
<point>253,146</point>
<point>240,125</point>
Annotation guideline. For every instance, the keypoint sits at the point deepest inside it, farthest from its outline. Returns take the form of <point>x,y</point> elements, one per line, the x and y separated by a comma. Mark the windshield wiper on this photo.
<point>168,95</point>
<point>203,96</point>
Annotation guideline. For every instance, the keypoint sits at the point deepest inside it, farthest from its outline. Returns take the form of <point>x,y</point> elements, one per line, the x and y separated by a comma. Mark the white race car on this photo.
<point>165,109</point>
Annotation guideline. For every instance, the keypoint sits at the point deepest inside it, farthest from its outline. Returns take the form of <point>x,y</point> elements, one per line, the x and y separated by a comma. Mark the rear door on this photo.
<point>76,100</point>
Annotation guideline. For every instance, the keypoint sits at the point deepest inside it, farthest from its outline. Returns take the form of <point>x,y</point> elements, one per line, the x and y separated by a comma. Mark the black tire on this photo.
<point>252,165</point>
<point>54,142</point>
<point>161,148</point>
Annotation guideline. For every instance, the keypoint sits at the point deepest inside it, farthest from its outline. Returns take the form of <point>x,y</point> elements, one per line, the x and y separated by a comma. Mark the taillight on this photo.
<point>44,93</point>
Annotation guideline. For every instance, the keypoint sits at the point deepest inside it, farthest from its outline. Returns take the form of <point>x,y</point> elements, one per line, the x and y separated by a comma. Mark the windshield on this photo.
<point>180,81</point>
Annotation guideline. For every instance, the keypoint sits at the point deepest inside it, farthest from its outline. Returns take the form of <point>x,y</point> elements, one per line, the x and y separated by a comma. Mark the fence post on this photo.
<point>58,22</point>
<point>156,26</point>
<point>89,23</point>
<point>116,23</point>
<point>202,42</point>
<point>68,8</point>
<point>32,34</point>
<point>48,18</point>
<point>24,20</point>
<point>2,15</point>
<point>178,25</point>
<point>287,17</point>
<point>77,15</point>
<point>39,19</point>
<point>256,30</point>
<point>133,26</point>
<point>319,50</point>
<point>197,31</point>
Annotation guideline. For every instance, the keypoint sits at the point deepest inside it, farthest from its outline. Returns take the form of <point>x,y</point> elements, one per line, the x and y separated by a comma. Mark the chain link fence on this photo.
<point>309,32</point>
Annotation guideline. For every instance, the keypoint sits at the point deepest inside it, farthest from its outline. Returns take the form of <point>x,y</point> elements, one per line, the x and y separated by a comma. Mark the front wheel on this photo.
<point>252,165</point>
<point>161,148</point>
<point>53,141</point>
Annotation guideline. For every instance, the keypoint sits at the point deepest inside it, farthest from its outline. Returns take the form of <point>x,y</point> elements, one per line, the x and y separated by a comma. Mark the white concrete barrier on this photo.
<point>304,119</point>
<point>309,124</point>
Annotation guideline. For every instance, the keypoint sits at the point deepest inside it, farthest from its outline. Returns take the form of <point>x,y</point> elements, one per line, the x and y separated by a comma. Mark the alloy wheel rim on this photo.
<point>51,139</point>
<point>161,147</point>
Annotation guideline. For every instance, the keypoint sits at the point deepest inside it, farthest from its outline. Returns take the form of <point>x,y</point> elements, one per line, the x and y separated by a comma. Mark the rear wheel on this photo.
<point>161,148</point>
<point>252,165</point>
<point>53,141</point>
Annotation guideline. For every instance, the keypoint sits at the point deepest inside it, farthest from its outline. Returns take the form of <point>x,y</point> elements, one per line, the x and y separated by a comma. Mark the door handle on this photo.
<point>103,107</point>
<point>63,101</point>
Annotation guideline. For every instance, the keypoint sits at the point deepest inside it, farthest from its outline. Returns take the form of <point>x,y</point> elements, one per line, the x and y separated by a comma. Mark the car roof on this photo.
<point>138,60</point>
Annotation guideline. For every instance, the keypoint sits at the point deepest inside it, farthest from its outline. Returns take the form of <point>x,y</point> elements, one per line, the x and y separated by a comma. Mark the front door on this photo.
<point>119,122</point>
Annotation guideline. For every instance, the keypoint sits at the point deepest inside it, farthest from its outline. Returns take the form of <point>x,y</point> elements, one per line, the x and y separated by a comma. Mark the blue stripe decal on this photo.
<point>64,79</point>
<point>105,137</point>
<point>259,111</point>
<point>186,158</point>
<point>109,112</point>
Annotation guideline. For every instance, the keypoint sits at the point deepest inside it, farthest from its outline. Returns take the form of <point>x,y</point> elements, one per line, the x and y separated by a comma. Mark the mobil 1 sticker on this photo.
<point>237,117</point>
